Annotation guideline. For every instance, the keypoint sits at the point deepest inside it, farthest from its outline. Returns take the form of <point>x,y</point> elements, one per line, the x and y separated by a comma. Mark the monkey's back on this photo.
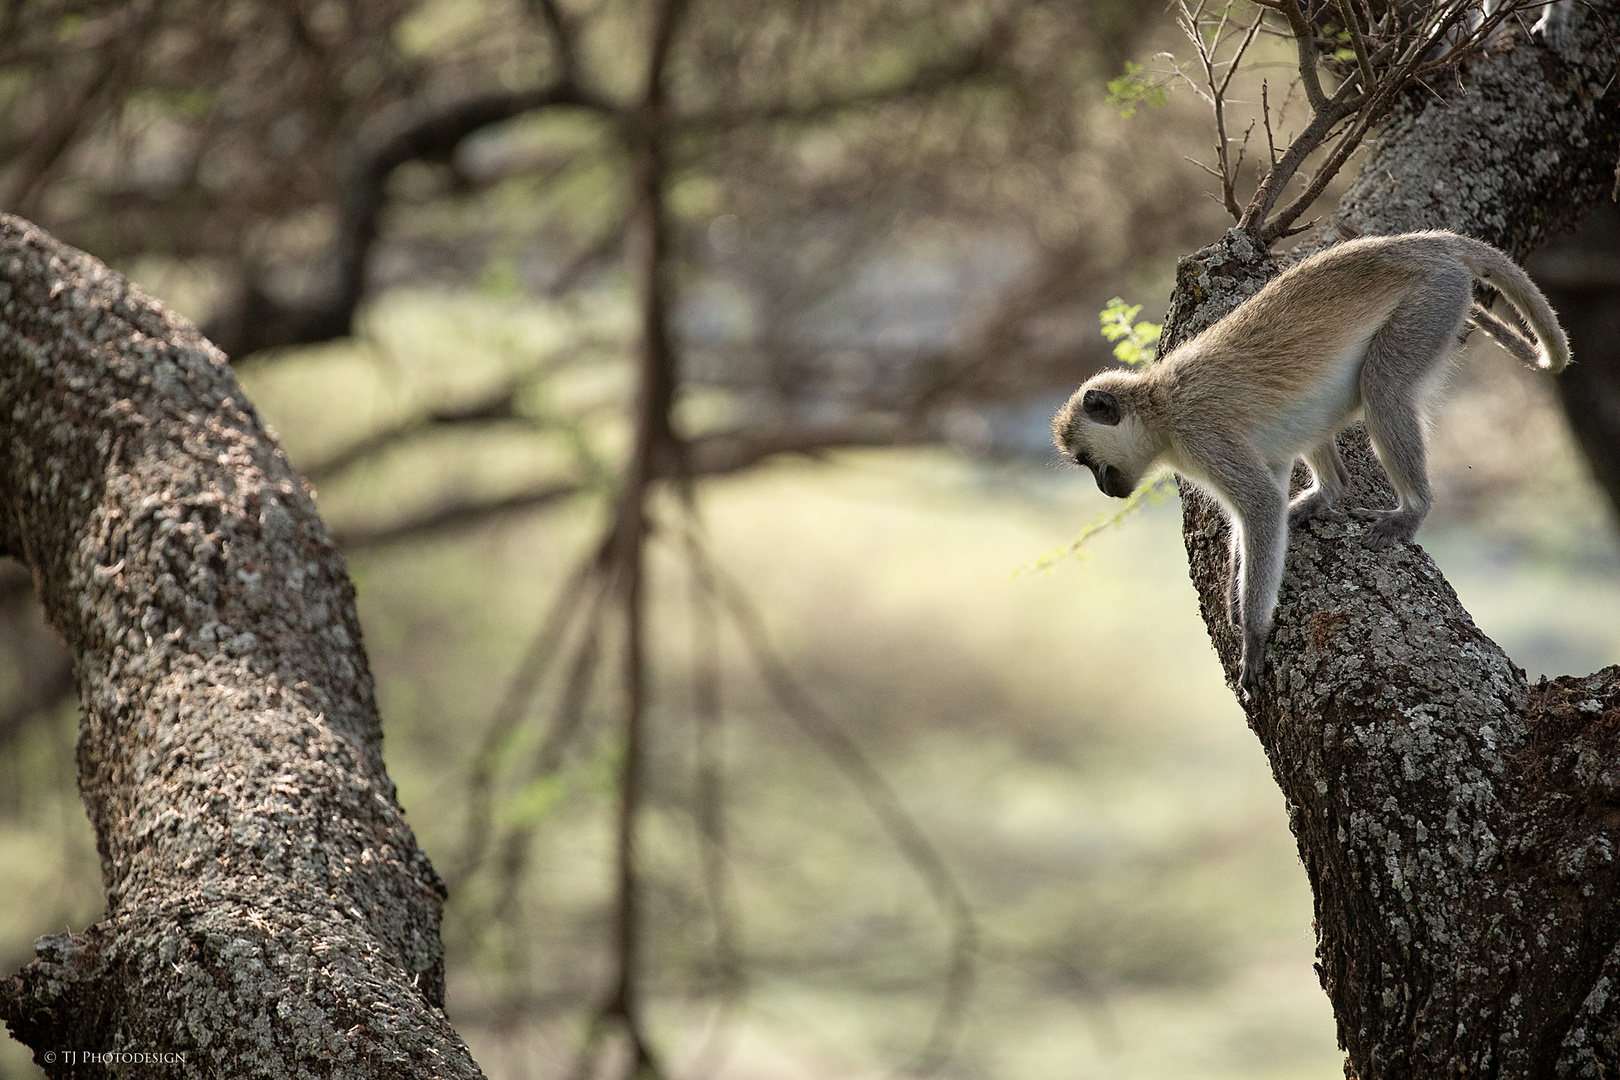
<point>1301,339</point>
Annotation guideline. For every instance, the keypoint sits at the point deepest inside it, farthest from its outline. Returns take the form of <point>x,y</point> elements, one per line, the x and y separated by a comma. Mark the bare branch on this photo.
<point>576,594</point>
<point>562,36</point>
<point>973,62</point>
<point>1359,44</point>
<point>1278,227</point>
<point>498,407</point>
<point>1265,112</point>
<point>1369,107</point>
<point>457,515</point>
<point>608,243</point>
<point>1208,58</point>
<point>708,796</point>
<point>259,321</point>
<point>1305,41</point>
<point>709,455</point>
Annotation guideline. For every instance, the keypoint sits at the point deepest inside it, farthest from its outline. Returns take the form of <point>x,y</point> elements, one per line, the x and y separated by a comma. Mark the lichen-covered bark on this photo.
<point>1458,826</point>
<point>269,913</point>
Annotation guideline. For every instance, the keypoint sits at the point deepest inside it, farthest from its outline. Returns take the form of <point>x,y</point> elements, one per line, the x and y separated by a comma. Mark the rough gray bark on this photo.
<point>1458,825</point>
<point>269,913</point>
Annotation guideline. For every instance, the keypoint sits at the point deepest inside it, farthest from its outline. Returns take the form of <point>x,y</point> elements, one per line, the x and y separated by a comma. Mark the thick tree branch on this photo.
<point>269,913</point>
<point>1457,825</point>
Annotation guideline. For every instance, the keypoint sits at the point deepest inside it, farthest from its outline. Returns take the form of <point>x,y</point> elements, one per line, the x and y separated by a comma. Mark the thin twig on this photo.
<point>709,786</point>
<point>1289,9</point>
<point>1359,44</point>
<point>498,407</point>
<point>1265,112</point>
<point>562,36</point>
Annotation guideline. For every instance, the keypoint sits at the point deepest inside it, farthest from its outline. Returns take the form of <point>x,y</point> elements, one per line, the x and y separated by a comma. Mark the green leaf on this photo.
<point>1136,342</point>
<point>1131,89</point>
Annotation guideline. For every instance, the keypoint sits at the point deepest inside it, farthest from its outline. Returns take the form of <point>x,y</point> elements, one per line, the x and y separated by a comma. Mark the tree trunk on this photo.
<point>269,913</point>
<point>1458,825</point>
<point>1581,276</point>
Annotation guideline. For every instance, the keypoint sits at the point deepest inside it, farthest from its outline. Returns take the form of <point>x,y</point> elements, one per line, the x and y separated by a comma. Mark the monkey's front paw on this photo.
<point>1249,682</point>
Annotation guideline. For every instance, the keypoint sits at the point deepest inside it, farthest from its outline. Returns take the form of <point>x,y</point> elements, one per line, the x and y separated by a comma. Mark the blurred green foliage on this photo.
<point>1136,343</point>
<point>1133,88</point>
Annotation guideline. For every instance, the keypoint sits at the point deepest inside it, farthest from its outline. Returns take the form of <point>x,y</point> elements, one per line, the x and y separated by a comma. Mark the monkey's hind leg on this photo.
<point>1395,429</point>
<point>1397,439</point>
<point>1321,498</point>
<point>1418,338</point>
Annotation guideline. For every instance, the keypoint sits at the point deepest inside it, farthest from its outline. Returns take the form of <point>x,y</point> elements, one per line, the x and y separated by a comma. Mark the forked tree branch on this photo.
<point>1461,856</point>
<point>256,320</point>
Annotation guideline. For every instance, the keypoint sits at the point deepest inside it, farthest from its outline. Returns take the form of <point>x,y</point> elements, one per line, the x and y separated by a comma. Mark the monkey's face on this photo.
<point>1110,481</point>
<point>1091,431</point>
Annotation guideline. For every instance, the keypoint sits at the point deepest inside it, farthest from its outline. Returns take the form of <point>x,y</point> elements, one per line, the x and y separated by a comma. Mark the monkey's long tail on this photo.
<point>1510,337</point>
<point>1503,274</point>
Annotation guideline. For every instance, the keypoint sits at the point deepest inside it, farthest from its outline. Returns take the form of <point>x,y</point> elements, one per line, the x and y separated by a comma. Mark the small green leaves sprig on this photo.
<point>1132,89</point>
<point>1136,343</point>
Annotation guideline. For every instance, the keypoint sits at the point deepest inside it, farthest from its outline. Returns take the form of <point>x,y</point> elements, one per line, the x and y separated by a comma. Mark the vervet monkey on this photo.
<point>1362,328</point>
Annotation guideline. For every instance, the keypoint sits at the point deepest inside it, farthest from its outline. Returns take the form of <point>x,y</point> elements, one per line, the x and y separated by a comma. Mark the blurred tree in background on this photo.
<point>821,164</point>
<point>750,190</point>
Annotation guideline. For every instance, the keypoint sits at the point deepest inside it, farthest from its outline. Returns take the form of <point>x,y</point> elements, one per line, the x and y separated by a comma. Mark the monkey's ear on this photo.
<point>1101,406</point>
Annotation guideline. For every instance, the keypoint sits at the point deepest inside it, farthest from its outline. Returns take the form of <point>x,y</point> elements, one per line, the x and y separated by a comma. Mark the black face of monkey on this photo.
<point>1101,407</point>
<point>1110,481</point>
<point>1092,408</point>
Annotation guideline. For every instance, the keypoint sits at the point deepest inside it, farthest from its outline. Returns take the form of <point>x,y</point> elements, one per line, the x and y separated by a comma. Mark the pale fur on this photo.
<point>1364,328</point>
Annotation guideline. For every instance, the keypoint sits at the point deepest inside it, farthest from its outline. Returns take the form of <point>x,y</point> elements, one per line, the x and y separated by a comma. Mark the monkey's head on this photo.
<point>1096,429</point>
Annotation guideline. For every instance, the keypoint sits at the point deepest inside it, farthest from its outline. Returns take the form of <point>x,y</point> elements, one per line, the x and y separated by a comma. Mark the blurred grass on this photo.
<point>1064,738</point>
